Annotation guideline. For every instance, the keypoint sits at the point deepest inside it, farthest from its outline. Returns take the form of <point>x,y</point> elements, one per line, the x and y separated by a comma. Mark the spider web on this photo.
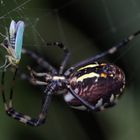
<point>17,11</point>
<point>51,23</point>
<point>34,17</point>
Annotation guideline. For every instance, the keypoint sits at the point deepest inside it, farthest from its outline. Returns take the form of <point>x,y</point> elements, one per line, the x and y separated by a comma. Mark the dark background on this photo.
<point>86,27</point>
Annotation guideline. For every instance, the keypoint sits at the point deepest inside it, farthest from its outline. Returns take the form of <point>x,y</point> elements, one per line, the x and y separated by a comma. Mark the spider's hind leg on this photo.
<point>8,105</point>
<point>26,119</point>
<point>109,51</point>
<point>83,102</point>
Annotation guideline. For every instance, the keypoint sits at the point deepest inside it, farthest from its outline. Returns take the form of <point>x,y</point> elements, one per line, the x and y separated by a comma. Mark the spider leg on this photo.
<point>111,50</point>
<point>93,59</point>
<point>86,104</point>
<point>33,72</point>
<point>48,92</point>
<point>33,80</point>
<point>44,63</point>
<point>39,60</point>
<point>20,116</point>
<point>26,77</point>
<point>66,54</point>
<point>11,90</point>
<point>37,82</point>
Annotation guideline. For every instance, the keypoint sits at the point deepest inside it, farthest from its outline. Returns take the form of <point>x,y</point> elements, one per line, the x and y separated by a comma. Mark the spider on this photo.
<point>87,85</point>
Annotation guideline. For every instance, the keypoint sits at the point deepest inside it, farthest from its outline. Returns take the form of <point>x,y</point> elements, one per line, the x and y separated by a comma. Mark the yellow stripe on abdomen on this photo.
<point>89,75</point>
<point>89,66</point>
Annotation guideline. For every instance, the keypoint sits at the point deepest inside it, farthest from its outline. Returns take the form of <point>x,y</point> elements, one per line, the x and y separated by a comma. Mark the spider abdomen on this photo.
<point>99,84</point>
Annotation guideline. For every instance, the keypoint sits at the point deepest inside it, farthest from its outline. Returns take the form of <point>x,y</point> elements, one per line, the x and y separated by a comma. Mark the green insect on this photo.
<point>13,44</point>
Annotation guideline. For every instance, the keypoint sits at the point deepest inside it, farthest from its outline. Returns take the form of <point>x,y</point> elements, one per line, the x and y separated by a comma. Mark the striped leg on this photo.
<point>20,116</point>
<point>41,62</point>
<point>27,119</point>
<point>66,54</point>
<point>44,63</point>
<point>86,104</point>
<point>111,50</point>
<point>93,59</point>
<point>31,78</point>
<point>35,74</point>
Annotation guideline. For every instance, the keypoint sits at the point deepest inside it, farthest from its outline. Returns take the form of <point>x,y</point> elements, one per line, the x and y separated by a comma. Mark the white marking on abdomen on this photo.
<point>112,98</point>
<point>68,97</point>
<point>89,66</point>
<point>99,103</point>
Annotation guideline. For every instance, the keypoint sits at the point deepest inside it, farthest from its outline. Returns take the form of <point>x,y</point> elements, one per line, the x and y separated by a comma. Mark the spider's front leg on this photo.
<point>20,116</point>
<point>35,74</point>
<point>66,54</point>
<point>41,62</point>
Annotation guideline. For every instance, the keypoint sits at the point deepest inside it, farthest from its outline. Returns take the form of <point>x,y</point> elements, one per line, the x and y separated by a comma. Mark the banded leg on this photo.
<point>66,54</point>
<point>38,82</point>
<point>86,104</point>
<point>20,116</point>
<point>107,52</point>
<point>39,60</point>
<point>44,63</point>
<point>27,119</point>
<point>26,77</point>
<point>93,59</point>
<point>31,78</point>
<point>11,90</point>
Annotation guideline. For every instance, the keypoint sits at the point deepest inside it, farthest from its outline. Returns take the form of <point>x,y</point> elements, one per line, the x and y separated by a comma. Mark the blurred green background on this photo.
<point>86,27</point>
